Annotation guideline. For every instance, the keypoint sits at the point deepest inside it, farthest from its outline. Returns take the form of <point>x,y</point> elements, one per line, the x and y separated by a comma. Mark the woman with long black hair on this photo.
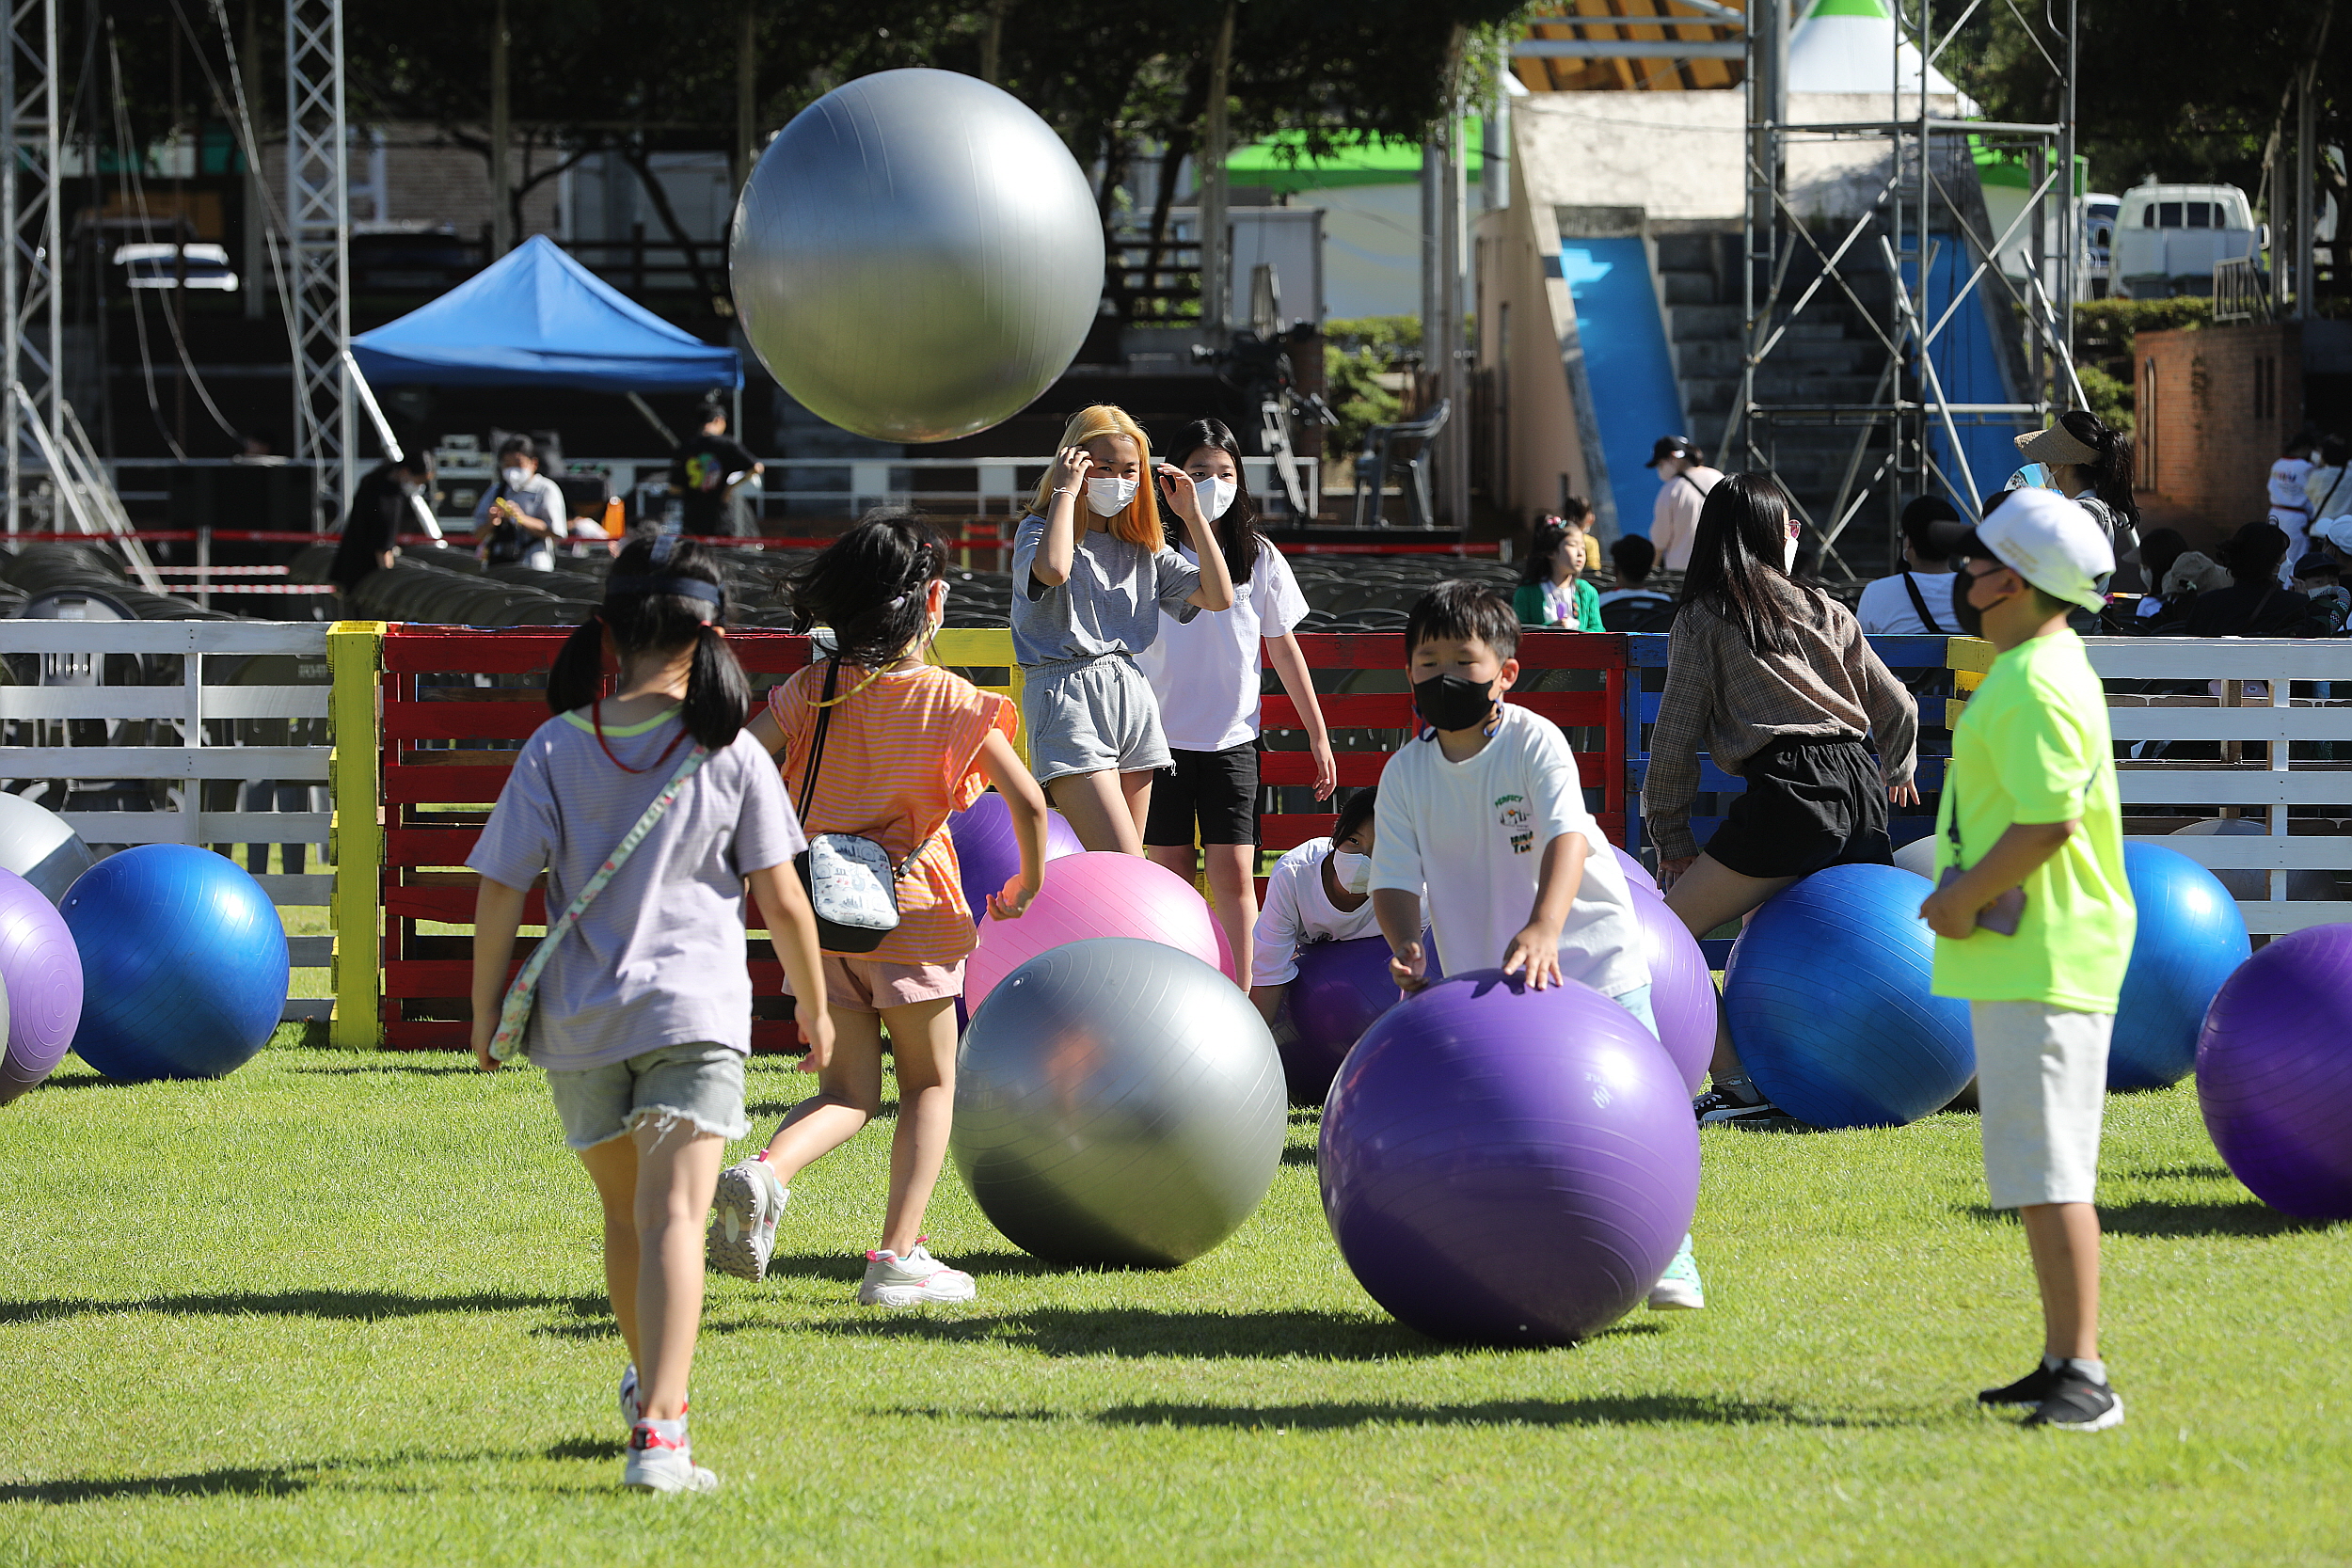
<point>1775,683</point>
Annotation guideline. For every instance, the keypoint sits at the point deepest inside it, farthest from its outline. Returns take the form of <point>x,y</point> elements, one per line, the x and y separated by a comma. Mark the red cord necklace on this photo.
<point>596,721</point>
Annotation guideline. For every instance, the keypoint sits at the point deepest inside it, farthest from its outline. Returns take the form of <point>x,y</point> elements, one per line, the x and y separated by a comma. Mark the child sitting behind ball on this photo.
<point>1485,808</point>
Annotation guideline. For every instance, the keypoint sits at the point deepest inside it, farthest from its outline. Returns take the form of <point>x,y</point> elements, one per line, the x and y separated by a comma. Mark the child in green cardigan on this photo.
<point>1552,592</point>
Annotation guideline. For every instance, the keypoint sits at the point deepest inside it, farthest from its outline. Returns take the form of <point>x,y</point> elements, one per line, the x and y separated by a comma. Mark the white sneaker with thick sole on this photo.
<point>744,1212</point>
<point>914,1280</point>
<point>658,1465</point>
<point>1678,1288</point>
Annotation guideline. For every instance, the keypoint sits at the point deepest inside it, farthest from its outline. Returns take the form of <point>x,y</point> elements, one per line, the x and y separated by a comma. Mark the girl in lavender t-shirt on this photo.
<point>642,1014</point>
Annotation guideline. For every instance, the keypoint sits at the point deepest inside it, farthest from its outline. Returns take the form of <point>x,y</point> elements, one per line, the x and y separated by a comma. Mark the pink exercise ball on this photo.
<point>1099,894</point>
<point>1681,992</point>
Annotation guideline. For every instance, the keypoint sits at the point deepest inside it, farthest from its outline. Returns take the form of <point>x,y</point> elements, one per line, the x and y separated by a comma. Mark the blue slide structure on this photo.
<point>1968,365</point>
<point>1628,368</point>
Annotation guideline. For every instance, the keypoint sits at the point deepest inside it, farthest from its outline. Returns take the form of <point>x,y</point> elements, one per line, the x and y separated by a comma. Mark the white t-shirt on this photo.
<point>1475,833</point>
<point>1886,609</point>
<point>2286,484</point>
<point>1207,672</point>
<point>1298,910</point>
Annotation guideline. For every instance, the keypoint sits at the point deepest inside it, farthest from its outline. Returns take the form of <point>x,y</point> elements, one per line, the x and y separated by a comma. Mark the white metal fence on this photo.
<point>141,732</point>
<point>2276,714</point>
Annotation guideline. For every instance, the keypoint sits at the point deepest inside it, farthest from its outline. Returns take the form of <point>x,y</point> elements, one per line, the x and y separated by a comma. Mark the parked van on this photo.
<point>2168,237</point>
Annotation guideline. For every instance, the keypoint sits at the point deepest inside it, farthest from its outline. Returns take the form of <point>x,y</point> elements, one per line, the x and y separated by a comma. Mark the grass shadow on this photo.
<point>1136,1333</point>
<point>760,1110</point>
<point>1296,1156</point>
<point>588,1447</point>
<point>2166,1220</point>
<point>459,1068</point>
<point>233,1482</point>
<point>1625,1410</point>
<point>335,1306</point>
<point>849,1268</point>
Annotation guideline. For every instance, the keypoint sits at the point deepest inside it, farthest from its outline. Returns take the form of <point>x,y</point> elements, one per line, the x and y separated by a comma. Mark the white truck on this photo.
<point>2168,237</point>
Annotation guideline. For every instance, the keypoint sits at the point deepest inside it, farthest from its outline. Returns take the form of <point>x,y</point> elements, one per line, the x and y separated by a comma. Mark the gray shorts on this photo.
<point>1095,716</point>
<point>701,1084</point>
<point>2041,1088</point>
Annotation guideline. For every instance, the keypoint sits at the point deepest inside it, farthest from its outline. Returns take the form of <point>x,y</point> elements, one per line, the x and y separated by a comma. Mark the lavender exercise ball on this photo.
<point>1507,1166</point>
<point>41,970</point>
<point>2274,1073</point>
<point>1342,990</point>
<point>1681,991</point>
<point>989,852</point>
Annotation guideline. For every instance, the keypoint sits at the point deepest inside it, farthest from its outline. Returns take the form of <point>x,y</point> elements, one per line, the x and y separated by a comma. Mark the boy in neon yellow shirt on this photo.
<point>2030,805</point>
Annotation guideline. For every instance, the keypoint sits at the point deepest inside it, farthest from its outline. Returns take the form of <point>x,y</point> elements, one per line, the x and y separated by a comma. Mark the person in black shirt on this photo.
<point>381,507</point>
<point>2256,605</point>
<point>705,472</point>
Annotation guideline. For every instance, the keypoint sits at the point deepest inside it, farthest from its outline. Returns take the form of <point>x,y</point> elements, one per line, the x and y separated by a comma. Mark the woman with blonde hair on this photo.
<point>1089,589</point>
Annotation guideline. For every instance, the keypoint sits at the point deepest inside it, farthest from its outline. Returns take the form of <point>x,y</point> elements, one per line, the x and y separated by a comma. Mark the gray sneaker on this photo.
<point>745,1210</point>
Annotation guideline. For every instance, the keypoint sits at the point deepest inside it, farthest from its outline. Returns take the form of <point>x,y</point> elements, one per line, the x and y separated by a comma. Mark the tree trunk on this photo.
<point>635,155</point>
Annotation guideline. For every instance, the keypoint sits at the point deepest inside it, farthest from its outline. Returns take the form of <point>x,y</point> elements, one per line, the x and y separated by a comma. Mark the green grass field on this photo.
<point>342,1309</point>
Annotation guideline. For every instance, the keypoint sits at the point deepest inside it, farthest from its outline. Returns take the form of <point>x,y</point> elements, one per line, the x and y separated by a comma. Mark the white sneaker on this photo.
<point>633,1408</point>
<point>658,1465</point>
<point>912,1280</point>
<point>745,1207</point>
<point>1678,1288</point>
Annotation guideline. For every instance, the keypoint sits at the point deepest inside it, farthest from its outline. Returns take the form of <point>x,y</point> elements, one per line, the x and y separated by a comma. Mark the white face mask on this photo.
<point>411,487</point>
<point>1110,496</point>
<point>1789,558</point>
<point>1215,496</point>
<point>1353,872</point>
<point>513,477</point>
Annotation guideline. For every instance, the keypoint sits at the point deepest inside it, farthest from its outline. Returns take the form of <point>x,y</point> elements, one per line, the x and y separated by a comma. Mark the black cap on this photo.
<point>1665,447</point>
<point>1949,537</point>
<point>2314,564</point>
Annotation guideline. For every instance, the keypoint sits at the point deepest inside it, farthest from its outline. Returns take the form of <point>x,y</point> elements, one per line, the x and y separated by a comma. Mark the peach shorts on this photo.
<point>855,985</point>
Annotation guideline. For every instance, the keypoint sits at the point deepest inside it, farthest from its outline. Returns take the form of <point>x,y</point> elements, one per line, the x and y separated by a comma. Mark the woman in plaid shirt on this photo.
<point>1775,682</point>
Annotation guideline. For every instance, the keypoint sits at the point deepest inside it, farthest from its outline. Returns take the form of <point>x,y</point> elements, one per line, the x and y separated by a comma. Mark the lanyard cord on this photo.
<point>596,720</point>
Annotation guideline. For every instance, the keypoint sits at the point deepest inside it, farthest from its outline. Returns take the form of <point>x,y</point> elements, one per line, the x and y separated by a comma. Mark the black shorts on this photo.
<point>1218,790</point>
<point>1809,803</point>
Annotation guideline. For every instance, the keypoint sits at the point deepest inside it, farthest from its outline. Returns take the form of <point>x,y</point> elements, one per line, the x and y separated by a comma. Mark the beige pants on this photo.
<point>2041,1086</point>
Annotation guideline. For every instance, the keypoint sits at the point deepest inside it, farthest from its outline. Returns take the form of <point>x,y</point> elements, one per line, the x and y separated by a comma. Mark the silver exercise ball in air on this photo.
<point>916,256</point>
<point>1117,1101</point>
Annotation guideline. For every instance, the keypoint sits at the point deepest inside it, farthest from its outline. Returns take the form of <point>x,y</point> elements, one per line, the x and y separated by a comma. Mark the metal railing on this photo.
<point>2240,294</point>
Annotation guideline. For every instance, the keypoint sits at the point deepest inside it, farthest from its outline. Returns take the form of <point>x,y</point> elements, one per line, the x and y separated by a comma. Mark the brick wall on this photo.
<point>2213,407</point>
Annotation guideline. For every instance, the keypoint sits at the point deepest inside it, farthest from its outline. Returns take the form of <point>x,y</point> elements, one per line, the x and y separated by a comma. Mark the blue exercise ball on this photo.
<point>1826,992</point>
<point>184,960</point>
<point>2191,938</point>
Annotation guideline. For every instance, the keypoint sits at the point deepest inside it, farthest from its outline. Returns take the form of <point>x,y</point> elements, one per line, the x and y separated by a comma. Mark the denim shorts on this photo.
<point>701,1083</point>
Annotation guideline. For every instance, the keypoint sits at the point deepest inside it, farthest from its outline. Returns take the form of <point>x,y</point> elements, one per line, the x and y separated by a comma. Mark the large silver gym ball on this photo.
<point>916,256</point>
<point>1117,1101</point>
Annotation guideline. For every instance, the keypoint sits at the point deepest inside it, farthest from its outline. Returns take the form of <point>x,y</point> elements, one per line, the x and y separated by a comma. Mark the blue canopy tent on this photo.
<point>537,318</point>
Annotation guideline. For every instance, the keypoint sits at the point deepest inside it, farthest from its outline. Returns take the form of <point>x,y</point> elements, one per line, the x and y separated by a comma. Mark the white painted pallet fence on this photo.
<point>191,704</point>
<point>2267,713</point>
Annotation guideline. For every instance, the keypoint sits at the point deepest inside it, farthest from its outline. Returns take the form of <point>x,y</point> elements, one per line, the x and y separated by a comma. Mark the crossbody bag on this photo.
<point>852,886</point>
<point>2004,914</point>
<point>514,1013</point>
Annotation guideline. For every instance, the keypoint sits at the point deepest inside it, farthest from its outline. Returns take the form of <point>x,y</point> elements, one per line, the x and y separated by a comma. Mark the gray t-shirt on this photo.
<point>658,960</point>
<point>1111,603</point>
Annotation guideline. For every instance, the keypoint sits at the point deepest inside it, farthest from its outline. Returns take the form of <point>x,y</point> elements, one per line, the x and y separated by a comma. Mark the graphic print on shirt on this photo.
<point>1511,813</point>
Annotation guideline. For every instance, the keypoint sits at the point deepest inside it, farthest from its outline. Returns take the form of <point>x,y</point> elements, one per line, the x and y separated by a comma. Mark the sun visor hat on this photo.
<point>2057,445</point>
<point>2049,541</point>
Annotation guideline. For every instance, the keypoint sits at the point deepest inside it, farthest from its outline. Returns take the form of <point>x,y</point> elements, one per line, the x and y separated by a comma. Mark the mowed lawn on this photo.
<point>347,1308</point>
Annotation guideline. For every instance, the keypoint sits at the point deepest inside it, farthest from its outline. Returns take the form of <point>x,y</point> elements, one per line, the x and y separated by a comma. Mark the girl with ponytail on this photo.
<point>905,743</point>
<point>643,1012</point>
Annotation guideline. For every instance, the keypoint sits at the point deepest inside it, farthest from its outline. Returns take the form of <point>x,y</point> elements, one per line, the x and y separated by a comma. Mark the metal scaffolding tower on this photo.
<point>30,322</point>
<point>318,212</point>
<point>1881,270</point>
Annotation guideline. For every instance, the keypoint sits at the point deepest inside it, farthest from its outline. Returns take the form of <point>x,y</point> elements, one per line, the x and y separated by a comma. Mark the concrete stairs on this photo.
<point>1829,357</point>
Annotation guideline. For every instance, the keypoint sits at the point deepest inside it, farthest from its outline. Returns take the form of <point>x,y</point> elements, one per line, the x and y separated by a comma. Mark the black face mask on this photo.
<point>1451,703</point>
<point>1970,618</point>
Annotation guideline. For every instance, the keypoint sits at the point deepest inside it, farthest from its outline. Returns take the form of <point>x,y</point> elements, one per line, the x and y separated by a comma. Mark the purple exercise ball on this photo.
<point>1507,1165</point>
<point>989,852</point>
<point>41,970</point>
<point>2274,1073</point>
<point>1635,872</point>
<point>1342,988</point>
<point>1681,992</point>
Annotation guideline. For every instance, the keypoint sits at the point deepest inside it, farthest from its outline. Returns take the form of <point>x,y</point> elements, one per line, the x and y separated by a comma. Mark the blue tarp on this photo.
<point>1628,364</point>
<point>537,318</point>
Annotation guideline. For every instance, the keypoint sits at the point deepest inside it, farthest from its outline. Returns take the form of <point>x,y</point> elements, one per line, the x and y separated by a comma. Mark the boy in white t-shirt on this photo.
<point>1485,808</point>
<point>1316,893</point>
